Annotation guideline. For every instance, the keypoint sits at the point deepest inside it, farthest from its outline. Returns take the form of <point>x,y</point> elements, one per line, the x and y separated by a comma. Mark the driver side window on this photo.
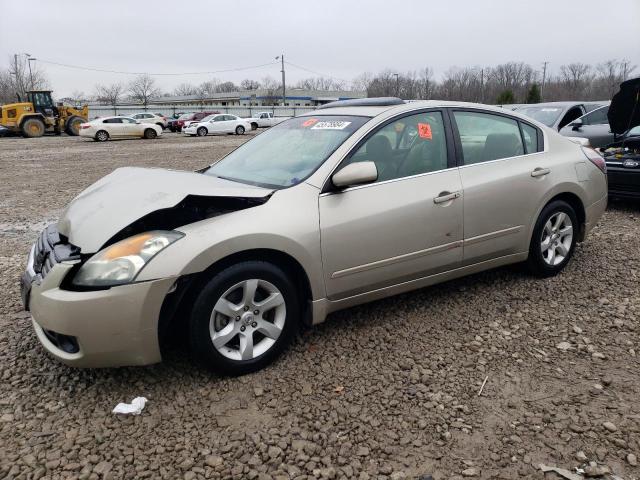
<point>408,146</point>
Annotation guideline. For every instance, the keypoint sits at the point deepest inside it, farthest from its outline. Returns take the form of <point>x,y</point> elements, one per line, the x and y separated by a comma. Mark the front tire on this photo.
<point>239,130</point>
<point>102,136</point>
<point>72,127</point>
<point>150,134</point>
<point>33,128</point>
<point>202,131</point>
<point>244,318</point>
<point>554,239</point>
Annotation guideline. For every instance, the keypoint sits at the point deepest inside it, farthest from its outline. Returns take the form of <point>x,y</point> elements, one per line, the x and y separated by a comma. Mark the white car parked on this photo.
<point>102,129</point>
<point>146,117</point>
<point>218,123</point>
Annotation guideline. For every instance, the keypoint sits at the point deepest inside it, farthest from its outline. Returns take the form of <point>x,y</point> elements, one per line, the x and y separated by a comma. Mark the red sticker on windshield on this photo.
<point>424,130</point>
<point>309,122</point>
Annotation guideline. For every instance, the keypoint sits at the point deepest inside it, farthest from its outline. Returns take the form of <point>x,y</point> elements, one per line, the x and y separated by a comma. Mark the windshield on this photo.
<point>185,116</point>
<point>546,115</point>
<point>288,153</point>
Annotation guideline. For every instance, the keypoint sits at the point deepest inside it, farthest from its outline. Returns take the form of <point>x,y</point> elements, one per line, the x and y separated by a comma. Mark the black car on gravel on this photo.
<point>623,156</point>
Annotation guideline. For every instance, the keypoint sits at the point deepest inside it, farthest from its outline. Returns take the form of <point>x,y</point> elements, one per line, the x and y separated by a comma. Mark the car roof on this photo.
<point>373,111</point>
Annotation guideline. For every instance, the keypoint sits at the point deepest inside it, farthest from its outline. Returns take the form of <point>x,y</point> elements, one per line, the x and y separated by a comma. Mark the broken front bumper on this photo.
<point>112,327</point>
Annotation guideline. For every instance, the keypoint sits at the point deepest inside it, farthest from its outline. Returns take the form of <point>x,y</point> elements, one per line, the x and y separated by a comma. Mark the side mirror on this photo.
<point>353,174</point>
<point>576,124</point>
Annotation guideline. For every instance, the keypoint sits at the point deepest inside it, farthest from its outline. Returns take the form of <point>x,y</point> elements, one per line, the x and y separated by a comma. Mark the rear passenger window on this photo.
<point>486,137</point>
<point>408,146</point>
<point>530,135</point>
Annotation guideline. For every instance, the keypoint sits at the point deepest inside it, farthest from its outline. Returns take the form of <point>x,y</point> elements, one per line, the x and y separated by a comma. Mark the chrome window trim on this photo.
<point>501,159</point>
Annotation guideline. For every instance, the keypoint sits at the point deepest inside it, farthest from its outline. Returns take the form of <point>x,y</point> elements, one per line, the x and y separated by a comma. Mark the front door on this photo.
<point>404,226</point>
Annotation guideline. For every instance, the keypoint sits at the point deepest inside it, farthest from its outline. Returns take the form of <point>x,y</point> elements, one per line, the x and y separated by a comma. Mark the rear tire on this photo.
<point>263,313</point>
<point>33,128</point>
<point>553,240</point>
<point>202,131</point>
<point>254,126</point>
<point>239,130</point>
<point>72,127</point>
<point>101,136</point>
<point>150,134</point>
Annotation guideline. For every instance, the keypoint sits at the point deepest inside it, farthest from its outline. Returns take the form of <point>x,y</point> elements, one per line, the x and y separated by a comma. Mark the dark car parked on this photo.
<point>623,155</point>
<point>594,126</point>
<point>190,117</point>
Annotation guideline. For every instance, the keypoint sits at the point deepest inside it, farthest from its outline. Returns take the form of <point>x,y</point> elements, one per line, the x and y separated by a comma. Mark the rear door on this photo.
<point>406,225</point>
<point>505,174</point>
<point>595,127</point>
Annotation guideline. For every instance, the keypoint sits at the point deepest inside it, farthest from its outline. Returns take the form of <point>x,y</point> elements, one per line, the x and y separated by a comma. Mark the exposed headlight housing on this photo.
<point>121,262</point>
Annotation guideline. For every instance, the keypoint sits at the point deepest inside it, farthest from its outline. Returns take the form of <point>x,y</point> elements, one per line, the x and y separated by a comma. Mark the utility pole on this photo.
<point>397,83</point>
<point>544,77</point>
<point>281,57</point>
<point>29,60</point>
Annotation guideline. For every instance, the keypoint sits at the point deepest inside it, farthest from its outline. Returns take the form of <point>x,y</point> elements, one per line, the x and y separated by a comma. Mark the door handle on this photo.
<point>446,196</point>
<point>540,172</point>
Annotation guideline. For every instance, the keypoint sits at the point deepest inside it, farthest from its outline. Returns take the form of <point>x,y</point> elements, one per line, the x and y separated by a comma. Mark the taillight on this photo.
<point>84,125</point>
<point>595,158</point>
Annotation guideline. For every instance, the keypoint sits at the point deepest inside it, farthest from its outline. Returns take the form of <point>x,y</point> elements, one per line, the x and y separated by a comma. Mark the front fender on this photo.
<point>287,223</point>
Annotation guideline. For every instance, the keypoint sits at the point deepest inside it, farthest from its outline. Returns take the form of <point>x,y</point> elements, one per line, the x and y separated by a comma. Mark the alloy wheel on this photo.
<point>557,238</point>
<point>247,319</point>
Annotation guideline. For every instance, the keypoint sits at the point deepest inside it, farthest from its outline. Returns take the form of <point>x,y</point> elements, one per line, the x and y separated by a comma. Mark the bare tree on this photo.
<point>272,90</point>
<point>143,89</point>
<point>426,83</point>
<point>248,84</point>
<point>185,89</point>
<point>109,94</point>
<point>16,80</point>
<point>361,82</point>
<point>576,78</point>
<point>321,83</point>
<point>226,87</point>
<point>208,88</point>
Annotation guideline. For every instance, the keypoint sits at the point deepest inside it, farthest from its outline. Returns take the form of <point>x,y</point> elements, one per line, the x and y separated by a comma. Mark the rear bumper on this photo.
<point>593,214</point>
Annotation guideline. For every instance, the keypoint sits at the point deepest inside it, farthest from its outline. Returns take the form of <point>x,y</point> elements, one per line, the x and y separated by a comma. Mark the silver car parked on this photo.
<point>353,202</point>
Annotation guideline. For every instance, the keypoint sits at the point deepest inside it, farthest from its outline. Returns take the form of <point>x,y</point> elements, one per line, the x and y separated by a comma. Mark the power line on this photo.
<point>315,72</point>
<point>102,70</point>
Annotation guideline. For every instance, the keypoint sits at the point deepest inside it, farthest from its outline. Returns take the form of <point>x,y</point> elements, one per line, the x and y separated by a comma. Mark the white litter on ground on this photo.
<point>133,408</point>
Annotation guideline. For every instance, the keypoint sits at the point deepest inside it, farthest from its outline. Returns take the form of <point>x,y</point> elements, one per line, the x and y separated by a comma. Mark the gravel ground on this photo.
<point>385,390</point>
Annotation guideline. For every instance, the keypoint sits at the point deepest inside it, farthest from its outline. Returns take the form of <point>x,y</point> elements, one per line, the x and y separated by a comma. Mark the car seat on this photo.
<point>379,151</point>
<point>501,145</point>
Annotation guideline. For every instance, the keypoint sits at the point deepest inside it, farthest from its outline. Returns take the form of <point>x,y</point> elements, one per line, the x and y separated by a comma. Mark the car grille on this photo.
<point>52,248</point>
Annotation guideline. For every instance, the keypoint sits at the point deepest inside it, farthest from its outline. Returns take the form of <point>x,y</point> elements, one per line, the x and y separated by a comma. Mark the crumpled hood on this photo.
<point>127,194</point>
<point>624,111</point>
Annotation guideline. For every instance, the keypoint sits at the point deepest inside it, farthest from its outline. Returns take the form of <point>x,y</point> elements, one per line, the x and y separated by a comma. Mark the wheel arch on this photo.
<point>29,116</point>
<point>576,203</point>
<point>176,307</point>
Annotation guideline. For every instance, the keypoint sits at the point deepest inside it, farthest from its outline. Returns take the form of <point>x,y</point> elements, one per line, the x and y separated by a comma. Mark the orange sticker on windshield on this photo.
<point>309,122</point>
<point>424,130</point>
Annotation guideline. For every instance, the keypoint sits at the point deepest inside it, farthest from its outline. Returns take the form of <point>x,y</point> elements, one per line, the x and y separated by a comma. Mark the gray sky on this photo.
<point>333,37</point>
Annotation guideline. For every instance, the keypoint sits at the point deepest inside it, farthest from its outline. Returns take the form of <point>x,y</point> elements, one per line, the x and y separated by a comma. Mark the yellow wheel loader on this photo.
<point>39,115</point>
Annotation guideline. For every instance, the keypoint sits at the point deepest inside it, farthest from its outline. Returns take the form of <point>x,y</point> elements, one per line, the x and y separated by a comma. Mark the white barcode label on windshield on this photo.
<point>330,125</point>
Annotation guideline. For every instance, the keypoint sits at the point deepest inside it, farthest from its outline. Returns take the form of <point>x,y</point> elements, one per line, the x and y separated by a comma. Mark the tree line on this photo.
<point>510,82</point>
